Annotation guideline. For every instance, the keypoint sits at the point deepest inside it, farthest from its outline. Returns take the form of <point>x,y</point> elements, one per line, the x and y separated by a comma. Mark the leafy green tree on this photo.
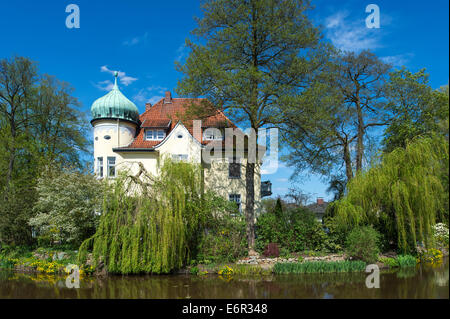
<point>250,56</point>
<point>39,124</point>
<point>360,80</point>
<point>68,205</point>
<point>402,196</point>
<point>327,125</point>
<point>417,108</point>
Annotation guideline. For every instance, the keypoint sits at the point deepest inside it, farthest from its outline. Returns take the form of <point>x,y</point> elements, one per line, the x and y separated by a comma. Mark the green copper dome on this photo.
<point>114,105</point>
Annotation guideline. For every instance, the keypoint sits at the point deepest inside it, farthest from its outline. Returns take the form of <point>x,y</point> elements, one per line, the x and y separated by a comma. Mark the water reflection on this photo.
<point>423,282</point>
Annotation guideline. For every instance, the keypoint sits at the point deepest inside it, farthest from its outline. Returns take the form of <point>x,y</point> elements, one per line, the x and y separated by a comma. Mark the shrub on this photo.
<point>295,230</point>
<point>390,262</point>
<point>431,256</point>
<point>66,206</point>
<point>224,238</point>
<point>271,250</point>
<point>363,244</point>
<point>440,234</point>
<point>406,261</point>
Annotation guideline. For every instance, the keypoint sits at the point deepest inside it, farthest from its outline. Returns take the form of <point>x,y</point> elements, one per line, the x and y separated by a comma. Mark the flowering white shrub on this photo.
<point>440,231</point>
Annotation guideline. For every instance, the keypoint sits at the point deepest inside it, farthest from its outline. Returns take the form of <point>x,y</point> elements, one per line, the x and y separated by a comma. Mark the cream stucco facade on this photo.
<point>112,134</point>
<point>123,139</point>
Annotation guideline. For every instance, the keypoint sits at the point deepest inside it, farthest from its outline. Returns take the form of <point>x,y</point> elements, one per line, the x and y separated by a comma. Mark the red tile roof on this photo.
<point>169,114</point>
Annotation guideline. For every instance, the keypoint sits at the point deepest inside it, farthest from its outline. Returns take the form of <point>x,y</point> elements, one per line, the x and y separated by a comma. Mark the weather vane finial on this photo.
<point>116,74</point>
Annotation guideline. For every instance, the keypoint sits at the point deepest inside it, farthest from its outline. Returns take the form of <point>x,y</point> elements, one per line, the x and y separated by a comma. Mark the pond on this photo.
<point>420,282</point>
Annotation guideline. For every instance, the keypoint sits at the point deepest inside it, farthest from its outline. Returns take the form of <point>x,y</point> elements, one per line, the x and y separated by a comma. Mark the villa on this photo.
<point>123,138</point>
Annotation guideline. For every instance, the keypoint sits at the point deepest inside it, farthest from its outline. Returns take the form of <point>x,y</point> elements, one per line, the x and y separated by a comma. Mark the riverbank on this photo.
<point>54,261</point>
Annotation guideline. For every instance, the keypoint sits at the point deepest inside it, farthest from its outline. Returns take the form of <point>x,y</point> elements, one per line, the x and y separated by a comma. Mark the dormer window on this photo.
<point>154,135</point>
<point>212,134</point>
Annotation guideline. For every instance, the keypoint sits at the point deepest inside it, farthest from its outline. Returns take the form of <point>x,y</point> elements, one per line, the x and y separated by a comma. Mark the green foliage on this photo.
<point>334,114</point>
<point>417,108</point>
<point>363,244</point>
<point>319,267</point>
<point>65,210</point>
<point>224,238</point>
<point>406,261</point>
<point>336,235</point>
<point>40,124</point>
<point>148,224</point>
<point>390,262</point>
<point>441,235</point>
<point>402,195</point>
<point>293,230</point>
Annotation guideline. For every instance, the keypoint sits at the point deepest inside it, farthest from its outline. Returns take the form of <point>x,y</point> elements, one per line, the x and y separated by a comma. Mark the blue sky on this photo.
<point>142,39</point>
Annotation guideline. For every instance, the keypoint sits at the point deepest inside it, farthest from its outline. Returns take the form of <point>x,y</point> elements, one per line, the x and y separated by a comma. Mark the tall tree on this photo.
<point>39,124</point>
<point>327,125</point>
<point>360,79</point>
<point>319,130</point>
<point>250,55</point>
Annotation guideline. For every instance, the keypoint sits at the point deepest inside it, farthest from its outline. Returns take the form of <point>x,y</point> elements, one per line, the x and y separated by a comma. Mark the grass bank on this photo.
<point>319,267</point>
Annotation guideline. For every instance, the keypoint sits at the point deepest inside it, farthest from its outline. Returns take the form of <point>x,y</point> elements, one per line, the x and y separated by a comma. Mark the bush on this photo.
<point>363,244</point>
<point>271,250</point>
<point>440,234</point>
<point>66,206</point>
<point>406,261</point>
<point>294,230</point>
<point>224,239</point>
<point>390,262</point>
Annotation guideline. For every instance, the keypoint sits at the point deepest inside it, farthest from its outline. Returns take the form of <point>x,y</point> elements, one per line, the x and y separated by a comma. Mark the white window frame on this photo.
<point>155,135</point>
<point>100,166</point>
<point>212,134</point>
<point>108,165</point>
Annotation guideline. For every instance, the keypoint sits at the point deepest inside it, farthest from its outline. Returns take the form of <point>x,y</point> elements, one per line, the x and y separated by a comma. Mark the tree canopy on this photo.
<point>40,124</point>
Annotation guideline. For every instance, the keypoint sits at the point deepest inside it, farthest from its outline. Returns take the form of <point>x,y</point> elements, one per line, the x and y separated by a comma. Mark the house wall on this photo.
<point>121,134</point>
<point>216,176</point>
<point>179,141</point>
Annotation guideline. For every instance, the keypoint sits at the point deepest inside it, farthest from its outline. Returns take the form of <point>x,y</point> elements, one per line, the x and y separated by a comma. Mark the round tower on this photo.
<point>115,120</point>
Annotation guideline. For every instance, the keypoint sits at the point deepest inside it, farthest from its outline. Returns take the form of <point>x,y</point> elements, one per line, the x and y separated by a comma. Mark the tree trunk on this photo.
<point>250,204</point>
<point>360,140</point>
<point>348,162</point>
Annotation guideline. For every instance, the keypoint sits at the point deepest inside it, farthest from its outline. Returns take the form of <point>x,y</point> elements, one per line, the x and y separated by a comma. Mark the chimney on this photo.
<point>168,98</point>
<point>148,106</point>
<point>319,200</point>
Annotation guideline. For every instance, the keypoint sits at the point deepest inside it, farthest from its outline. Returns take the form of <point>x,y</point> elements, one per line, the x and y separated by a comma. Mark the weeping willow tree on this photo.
<point>148,224</point>
<point>402,195</point>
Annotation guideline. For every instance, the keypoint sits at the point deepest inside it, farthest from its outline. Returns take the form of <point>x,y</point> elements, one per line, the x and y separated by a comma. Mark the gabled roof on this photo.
<point>167,113</point>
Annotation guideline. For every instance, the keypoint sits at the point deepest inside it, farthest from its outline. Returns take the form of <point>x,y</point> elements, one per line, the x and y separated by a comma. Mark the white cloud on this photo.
<point>136,40</point>
<point>151,94</point>
<point>282,180</point>
<point>398,60</point>
<point>104,85</point>
<point>123,77</point>
<point>351,34</point>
